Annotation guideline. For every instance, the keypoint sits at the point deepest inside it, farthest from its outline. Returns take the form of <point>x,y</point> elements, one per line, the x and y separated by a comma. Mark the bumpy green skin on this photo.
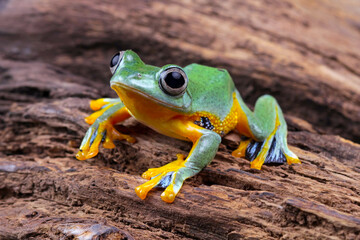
<point>262,121</point>
<point>210,90</point>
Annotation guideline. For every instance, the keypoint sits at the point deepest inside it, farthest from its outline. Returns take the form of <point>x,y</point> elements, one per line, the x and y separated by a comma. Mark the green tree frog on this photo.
<point>196,103</point>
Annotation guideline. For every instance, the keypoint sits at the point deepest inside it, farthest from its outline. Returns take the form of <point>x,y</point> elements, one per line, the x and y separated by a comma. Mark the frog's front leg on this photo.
<point>109,111</point>
<point>172,175</point>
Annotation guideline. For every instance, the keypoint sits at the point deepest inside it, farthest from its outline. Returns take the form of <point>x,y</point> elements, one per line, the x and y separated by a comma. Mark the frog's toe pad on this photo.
<point>168,195</point>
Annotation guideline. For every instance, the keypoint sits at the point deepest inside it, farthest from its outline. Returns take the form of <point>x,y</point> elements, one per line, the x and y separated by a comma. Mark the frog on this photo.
<point>195,103</point>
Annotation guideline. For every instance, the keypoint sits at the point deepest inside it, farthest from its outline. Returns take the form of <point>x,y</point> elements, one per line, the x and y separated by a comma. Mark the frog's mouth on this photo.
<point>121,89</point>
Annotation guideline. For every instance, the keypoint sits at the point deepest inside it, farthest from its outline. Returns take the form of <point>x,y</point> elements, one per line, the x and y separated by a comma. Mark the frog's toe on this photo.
<point>168,195</point>
<point>173,188</point>
<point>92,117</point>
<point>163,177</point>
<point>152,172</point>
<point>116,135</point>
<point>84,154</point>
<point>112,134</point>
<point>97,104</point>
<point>90,145</point>
<point>100,106</point>
<point>81,155</point>
<point>163,180</point>
<point>143,189</point>
<point>291,158</point>
<point>241,150</point>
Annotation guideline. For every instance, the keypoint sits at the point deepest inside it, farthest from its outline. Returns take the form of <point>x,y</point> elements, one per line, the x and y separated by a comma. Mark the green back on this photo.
<point>211,89</point>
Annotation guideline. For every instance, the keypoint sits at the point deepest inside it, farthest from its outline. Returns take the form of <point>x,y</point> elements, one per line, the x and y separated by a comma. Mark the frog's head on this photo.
<point>132,78</point>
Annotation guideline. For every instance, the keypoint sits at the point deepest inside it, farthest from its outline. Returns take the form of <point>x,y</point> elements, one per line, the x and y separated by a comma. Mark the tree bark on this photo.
<point>54,59</point>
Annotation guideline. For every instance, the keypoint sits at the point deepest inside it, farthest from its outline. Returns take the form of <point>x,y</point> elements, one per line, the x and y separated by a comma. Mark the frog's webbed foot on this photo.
<point>163,177</point>
<point>273,150</point>
<point>102,128</point>
<point>97,133</point>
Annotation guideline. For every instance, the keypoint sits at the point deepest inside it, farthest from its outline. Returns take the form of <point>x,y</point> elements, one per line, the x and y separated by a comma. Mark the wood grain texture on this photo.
<point>54,59</point>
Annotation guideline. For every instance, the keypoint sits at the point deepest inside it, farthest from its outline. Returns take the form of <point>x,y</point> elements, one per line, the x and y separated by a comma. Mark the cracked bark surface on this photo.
<point>54,58</point>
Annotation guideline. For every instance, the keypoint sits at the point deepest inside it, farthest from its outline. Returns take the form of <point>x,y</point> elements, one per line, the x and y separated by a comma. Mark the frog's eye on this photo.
<point>115,61</point>
<point>173,81</point>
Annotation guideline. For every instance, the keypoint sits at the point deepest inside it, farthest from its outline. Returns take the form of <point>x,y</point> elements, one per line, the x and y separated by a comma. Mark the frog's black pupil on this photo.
<point>174,80</point>
<point>114,60</point>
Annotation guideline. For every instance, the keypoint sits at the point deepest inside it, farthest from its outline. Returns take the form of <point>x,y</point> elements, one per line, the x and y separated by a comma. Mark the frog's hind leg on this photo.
<point>267,132</point>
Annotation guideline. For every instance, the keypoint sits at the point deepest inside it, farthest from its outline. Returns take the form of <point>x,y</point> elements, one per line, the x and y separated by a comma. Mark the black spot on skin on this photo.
<point>205,123</point>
